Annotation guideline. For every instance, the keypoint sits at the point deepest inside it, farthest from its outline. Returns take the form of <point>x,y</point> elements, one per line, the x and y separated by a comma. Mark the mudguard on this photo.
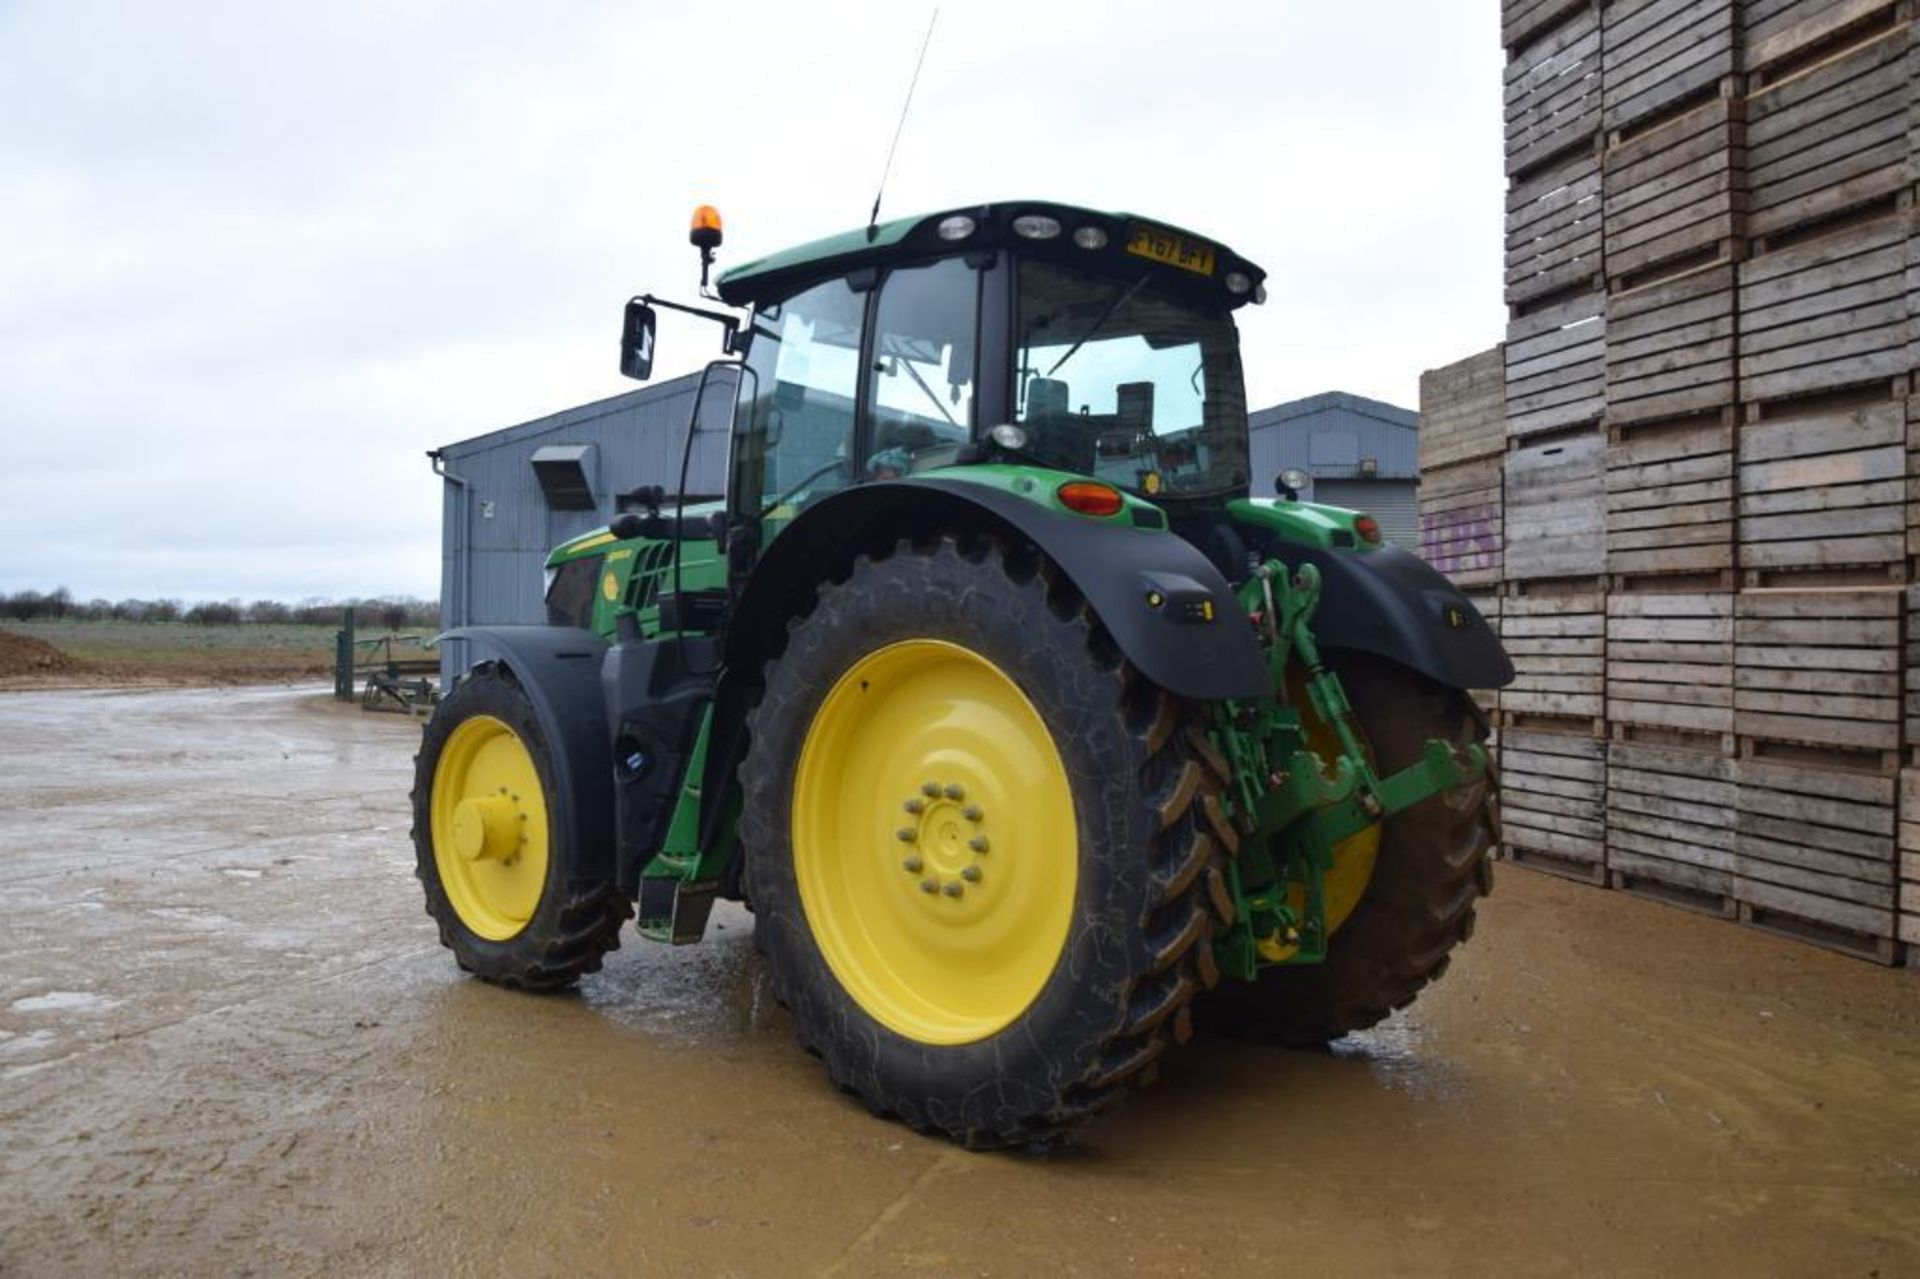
<point>1393,604</point>
<point>1194,642</point>
<point>560,669</point>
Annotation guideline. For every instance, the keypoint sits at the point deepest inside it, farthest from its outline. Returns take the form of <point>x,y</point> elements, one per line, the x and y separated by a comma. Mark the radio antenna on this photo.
<point>873,218</point>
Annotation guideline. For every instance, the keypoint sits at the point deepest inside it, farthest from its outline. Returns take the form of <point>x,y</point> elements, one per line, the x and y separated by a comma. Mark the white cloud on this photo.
<point>259,257</point>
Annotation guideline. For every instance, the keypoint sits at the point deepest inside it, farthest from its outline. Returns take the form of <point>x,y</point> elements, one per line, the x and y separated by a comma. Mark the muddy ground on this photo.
<point>230,1043</point>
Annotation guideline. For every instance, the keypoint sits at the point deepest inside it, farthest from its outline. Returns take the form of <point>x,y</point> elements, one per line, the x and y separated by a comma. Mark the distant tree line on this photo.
<point>391,612</point>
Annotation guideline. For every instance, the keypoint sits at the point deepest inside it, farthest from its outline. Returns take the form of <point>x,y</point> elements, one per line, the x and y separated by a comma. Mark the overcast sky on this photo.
<point>257,258</point>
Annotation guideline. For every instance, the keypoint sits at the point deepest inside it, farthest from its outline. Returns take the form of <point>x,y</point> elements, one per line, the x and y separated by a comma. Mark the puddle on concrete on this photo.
<point>65,1001</point>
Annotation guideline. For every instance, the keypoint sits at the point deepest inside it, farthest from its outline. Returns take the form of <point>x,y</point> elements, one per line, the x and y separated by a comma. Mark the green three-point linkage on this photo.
<point>1289,809</point>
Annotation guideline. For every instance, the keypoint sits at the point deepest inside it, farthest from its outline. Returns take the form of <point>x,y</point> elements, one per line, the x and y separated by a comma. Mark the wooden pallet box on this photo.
<point>1553,802</point>
<point>1556,508</point>
<point>1912,676</point>
<point>1656,53</point>
<point>1819,668</point>
<point>1558,646</point>
<point>1462,518</point>
<point>1776,32</point>
<point>1463,410</point>
<point>1814,854</point>
<point>1670,664</point>
<point>1670,498</point>
<point>1670,347</point>
<point>1827,314</point>
<point>1552,95</point>
<point>1675,193</point>
<point>1829,138</point>
<point>1824,488</point>
<point>1554,228</point>
<point>1670,824</point>
<point>1913,455</point>
<point>1557,366</point>
<point>1909,848</point>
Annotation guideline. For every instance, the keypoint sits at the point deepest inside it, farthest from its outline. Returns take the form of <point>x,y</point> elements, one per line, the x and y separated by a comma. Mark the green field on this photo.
<point>181,651</point>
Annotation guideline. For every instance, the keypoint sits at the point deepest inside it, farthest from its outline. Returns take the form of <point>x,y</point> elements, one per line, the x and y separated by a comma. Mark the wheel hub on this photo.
<point>948,843</point>
<point>490,827</point>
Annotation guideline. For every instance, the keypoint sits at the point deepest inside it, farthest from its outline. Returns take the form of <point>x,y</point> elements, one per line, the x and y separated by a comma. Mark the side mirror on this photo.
<point>636,341</point>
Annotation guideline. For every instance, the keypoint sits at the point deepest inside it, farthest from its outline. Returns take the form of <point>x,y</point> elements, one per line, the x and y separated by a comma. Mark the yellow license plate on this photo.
<point>1173,249</point>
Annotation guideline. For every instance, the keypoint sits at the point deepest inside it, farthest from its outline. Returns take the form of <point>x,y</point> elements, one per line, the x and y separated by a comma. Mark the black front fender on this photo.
<point>1195,642</point>
<point>559,667</point>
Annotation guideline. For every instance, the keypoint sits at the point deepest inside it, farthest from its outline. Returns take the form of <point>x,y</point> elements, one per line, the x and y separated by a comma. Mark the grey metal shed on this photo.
<point>511,495</point>
<point>1357,452</point>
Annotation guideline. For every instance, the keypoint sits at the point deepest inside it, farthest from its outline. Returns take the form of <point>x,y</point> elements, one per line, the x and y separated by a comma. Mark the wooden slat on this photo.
<point>1824,489</point>
<point>1659,52</point>
<point>1670,497</point>
<point>1670,816</point>
<point>1491,606</point>
<point>1670,347</point>
<point>1556,366</point>
<point>1552,95</point>
<point>1553,228</point>
<point>1558,647</point>
<point>1463,410</point>
<point>1525,21</point>
<point>1552,795</point>
<point>1462,521</point>
<point>1819,667</point>
<point>1908,842</point>
<point>1829,139</point>
<point>1669,661</point>
<point>1816,844</point>
<point>1775,29</point>
<point>1675,192</point>
<point>1826,314</point>
<point>1556,509</point>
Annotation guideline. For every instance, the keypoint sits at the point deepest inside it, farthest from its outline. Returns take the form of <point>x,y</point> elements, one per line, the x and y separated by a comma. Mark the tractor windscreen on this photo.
<point>1123,380</point>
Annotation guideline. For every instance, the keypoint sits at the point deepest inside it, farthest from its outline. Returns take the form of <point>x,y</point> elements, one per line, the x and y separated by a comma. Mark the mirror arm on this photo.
<point>731,345</point>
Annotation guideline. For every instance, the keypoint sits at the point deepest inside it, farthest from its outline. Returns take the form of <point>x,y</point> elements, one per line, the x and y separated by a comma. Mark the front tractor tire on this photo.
<point>1432,866</point>
<point>974,844</point>
<point>494,850</point>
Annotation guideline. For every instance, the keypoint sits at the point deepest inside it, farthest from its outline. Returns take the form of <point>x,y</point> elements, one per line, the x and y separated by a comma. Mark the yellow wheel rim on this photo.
<point>934,841</point>
<point>489,818</point>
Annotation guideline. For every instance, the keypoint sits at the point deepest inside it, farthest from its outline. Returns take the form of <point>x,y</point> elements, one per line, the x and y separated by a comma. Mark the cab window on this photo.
<point>796,444</point>
<point>920,398</point>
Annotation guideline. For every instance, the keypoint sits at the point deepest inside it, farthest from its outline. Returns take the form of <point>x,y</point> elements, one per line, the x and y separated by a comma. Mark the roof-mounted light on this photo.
<point>1239,283</point>
<point>1036,226</point>
<point>957,226</point>
<point>1090,237</point>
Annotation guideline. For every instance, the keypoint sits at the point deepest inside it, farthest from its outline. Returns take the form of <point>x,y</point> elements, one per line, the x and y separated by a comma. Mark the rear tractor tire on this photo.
<point>974,842</point>
<point>493,848</point>
<point>1430,870</point>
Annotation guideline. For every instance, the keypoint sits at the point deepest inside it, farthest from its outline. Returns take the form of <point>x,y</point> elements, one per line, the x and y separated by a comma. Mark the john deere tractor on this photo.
<point>1029,735</point>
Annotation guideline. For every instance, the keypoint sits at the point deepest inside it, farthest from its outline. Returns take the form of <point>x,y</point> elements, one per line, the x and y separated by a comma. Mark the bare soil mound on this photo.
<point>25,655</point>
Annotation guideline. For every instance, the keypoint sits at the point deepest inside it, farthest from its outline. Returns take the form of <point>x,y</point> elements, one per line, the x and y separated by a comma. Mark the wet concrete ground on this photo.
<point>229,1043</point>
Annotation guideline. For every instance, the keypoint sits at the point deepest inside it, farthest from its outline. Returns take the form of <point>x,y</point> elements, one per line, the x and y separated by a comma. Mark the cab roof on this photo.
<point>780,274</point>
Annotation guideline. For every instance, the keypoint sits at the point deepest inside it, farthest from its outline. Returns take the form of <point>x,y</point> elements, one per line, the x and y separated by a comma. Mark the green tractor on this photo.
<point>1026,732</point>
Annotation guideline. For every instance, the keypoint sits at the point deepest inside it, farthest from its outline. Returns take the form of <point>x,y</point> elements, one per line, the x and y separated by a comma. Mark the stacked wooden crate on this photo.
<point>1712,481</point>
<point>1463,435</point>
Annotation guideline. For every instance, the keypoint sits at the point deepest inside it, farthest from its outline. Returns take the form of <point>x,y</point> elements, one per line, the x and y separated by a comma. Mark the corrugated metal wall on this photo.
<point>1392,502</point>
<point>496,529</point>
<point>1335,437</point>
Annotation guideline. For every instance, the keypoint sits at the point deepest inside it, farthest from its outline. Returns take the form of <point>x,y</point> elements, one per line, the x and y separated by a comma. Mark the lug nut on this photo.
<point>956,792</point>
<point>972,812</point>
<point>953,890</point>
<point>978,843</point>
<point>906,835</point>
<point>914,806</point>
<point>971,874</point>
<point>930,789</point>
<point>928,886</point>
<point>912,865</point>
